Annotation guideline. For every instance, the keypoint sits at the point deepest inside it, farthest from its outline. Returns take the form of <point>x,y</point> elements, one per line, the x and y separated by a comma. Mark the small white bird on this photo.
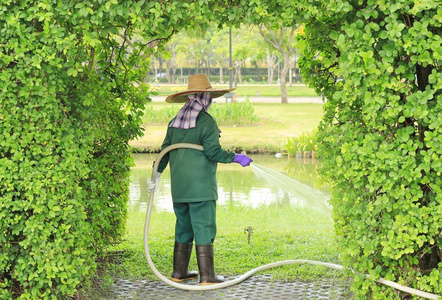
<point>278,155</point>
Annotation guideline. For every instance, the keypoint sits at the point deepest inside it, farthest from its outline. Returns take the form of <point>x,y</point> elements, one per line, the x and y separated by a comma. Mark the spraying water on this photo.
<point>306,195</point>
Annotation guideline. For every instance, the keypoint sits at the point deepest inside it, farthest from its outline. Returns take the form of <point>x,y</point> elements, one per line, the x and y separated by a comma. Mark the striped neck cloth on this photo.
<point>186,117</point>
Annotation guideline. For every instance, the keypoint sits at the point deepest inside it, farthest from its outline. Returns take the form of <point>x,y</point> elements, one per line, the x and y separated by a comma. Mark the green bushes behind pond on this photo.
<point>228,114</point>
<point>306,142</point>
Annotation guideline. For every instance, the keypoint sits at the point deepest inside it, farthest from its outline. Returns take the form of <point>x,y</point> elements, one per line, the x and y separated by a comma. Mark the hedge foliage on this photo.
<point>70,102</point>
<point>69,105</point>
<point>382,136</point>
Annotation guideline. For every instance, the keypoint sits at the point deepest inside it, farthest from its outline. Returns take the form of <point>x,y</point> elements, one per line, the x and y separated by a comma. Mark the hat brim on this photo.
<point>181,97</point>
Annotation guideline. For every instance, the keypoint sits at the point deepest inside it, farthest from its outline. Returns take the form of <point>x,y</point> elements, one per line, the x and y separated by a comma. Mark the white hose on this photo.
<point>253,271</point>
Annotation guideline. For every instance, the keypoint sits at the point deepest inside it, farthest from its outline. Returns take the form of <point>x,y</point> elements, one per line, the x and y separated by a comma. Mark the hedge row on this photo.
<point>381,137</point>
<point>66,117</point>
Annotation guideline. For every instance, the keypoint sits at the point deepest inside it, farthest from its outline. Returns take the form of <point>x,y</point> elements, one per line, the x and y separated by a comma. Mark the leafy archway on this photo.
<point>71,101</point>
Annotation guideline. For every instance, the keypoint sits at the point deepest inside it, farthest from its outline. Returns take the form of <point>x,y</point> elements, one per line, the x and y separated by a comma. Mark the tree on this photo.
<point>221,51</point>
<point>171,62</point>
<point>281,39</point>
<point>271,65</point>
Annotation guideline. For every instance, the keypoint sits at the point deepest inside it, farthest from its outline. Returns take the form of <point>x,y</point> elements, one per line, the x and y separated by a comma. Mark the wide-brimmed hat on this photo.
<point>198,83</point>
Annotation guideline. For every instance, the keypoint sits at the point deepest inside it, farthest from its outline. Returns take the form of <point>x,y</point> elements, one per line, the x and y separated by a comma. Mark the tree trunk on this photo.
<point>221,74</point>
<point>270,66</point>
<point>290,77</point>
<point>209,65</point>
<point>282,78</point>
<point>160,64</point>
<point>238,72</point>
<point>234,78</point>
<point>171,69</point>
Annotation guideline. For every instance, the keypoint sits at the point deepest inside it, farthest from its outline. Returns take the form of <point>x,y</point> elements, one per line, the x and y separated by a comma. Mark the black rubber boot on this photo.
<point>204,256</point>
<point>181,257</point>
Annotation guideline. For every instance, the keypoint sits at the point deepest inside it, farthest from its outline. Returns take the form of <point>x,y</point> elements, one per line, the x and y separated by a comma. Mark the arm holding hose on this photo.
<point>214,152</point>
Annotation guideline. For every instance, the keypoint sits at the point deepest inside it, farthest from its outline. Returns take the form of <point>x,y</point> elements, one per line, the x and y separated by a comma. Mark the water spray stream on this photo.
<point>253,271</point>
<point>309,196</point>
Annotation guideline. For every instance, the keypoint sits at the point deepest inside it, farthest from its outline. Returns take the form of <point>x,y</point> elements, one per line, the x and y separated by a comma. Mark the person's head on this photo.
<point>198,83</point>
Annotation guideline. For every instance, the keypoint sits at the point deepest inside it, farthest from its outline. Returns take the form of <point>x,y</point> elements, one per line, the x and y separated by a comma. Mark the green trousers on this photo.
<point>195,220</point>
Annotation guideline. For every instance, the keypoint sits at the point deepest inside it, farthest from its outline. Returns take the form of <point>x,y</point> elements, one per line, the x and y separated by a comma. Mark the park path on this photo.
<point>260,287</point>
<point>258,99</point>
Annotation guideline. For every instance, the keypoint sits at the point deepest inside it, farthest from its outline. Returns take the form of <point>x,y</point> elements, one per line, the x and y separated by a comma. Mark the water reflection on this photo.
<point>297,184</point>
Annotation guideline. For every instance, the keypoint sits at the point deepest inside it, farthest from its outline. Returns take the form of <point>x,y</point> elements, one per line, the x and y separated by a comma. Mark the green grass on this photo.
<point>279,233</point>
<point>298,90</point>
<point>275,123</point>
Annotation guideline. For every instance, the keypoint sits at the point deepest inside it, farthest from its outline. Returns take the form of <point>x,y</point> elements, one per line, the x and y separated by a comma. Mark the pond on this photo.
<point>289,182</point>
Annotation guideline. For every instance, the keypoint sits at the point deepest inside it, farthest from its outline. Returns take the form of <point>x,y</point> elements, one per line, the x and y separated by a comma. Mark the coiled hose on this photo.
<point>251,272</point>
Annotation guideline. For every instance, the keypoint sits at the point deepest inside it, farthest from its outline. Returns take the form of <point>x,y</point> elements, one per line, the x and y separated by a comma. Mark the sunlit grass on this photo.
<point>279,233</point>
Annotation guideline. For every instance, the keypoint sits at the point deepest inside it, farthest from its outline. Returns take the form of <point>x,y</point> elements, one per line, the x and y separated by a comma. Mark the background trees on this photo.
<point>251,47</point>
<point>282,39</point>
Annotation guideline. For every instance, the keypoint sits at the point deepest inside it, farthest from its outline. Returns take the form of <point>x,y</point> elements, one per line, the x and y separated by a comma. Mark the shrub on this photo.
<point>234,114</point>
<point>229,114</point>
<point>381,137</point>
<point>67,113</point>
<point>305,142</point>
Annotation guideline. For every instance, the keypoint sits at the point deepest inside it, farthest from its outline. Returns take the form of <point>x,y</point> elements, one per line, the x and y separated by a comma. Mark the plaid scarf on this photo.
<point>186,117</point>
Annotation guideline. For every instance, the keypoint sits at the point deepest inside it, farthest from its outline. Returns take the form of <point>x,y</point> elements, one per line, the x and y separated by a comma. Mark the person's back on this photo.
<point>193,173</point>
<point>193,178</point>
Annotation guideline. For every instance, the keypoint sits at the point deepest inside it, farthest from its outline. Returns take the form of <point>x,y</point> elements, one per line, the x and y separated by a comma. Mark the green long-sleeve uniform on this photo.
<point>193,172</point>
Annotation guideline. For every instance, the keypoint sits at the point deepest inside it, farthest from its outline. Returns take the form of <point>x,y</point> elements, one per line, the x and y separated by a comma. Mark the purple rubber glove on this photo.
<point>242,159</point>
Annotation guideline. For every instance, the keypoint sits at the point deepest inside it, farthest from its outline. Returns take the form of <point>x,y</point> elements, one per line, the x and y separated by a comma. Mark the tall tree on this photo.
<point>171,62</point>
<point>282,39</point>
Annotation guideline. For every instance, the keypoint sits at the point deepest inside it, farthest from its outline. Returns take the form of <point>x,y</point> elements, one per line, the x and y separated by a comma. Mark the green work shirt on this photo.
<point>193,172</point>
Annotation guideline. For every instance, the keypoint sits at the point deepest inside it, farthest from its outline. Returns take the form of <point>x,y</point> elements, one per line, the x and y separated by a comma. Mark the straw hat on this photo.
<point>197,84</point>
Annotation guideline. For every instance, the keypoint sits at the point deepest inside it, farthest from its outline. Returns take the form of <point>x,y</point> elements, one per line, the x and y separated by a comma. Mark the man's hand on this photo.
<point>242,159</point>
<point>152,186</point>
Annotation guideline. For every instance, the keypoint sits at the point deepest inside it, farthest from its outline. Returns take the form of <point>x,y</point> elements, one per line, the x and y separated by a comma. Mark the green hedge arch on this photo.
<point>71,101</point>
<point>378,64</point>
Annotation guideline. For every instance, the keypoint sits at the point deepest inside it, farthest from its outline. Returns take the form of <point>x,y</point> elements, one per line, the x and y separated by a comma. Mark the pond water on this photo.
<point>290,182</point>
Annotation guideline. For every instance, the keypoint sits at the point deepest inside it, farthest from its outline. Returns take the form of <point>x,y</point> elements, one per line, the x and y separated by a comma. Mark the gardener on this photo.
<point>193,178</point>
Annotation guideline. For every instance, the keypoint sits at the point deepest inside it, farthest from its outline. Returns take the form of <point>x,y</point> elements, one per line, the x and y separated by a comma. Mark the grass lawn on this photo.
<point>303,235</point>
<point>276,122</point>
